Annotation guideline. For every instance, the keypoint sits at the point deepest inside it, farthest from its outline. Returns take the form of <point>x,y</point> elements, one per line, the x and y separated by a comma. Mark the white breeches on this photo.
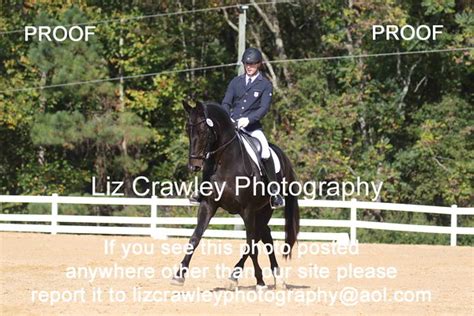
<point>258,134</point>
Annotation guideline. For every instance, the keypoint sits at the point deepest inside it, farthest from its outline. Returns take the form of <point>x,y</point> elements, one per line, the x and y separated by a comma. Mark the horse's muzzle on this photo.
<point>194,168</point>
<point>195,165</point>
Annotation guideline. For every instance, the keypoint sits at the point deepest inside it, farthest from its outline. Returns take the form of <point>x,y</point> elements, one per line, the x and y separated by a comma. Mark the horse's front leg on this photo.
<point>205,213</point>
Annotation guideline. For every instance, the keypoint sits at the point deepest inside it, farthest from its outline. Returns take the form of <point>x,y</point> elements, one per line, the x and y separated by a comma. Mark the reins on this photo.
<point>208,153</point>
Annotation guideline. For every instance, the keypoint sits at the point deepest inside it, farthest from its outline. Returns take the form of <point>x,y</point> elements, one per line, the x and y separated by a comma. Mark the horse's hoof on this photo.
<point>280,283</point>
<point>261,287</point>
<point>177,281</point>
<point>232,284</point>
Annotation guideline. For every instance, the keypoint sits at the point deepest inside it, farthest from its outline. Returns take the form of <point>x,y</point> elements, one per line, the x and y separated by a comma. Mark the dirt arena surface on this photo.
<point>31,263</point>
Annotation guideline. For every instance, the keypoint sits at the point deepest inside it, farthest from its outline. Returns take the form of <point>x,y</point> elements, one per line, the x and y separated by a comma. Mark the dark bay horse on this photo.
<point>215,148</point>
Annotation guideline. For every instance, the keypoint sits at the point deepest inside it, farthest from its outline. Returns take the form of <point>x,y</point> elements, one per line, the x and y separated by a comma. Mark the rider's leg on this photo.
<point>276,200</point>
<point>258,134</point>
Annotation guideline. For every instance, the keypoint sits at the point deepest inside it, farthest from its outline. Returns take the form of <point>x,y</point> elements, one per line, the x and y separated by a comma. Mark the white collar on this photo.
<point>251,78</point>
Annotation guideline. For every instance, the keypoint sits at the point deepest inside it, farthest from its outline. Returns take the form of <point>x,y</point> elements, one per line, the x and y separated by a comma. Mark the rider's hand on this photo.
<point>243,122</point>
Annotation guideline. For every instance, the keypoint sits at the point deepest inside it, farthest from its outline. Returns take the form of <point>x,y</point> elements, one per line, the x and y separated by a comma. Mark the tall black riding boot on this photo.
<point>276,200</point>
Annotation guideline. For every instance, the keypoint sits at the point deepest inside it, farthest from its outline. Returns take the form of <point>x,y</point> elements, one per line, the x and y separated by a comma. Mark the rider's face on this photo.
<point>251,69</point>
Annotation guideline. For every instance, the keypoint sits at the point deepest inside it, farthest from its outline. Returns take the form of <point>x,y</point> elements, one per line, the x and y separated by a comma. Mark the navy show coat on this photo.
<point>252,101</point>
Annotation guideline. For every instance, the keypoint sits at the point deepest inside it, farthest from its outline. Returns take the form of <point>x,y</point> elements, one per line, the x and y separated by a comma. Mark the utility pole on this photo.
<point>242,23</point>
<point>240,67</point>
<point>121,90</point>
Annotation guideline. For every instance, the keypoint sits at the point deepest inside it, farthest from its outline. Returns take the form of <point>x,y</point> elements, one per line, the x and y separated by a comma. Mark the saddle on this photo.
<point>254,149</point>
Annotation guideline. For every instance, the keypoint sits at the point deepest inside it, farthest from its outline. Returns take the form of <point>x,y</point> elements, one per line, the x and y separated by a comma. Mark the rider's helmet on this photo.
<point>252,56</point>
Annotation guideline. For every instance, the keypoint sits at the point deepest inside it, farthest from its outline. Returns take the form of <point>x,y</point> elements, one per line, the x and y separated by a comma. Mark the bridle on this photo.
<point>208,153</point>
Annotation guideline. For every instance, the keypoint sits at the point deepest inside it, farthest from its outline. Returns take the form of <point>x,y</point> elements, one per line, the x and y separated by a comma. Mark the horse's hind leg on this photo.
<point>260,229</point>
<point>252,229</point>
<point>277,276</point>
<point>233,280</point>
<point>267,239</point>
<point>237,272</point>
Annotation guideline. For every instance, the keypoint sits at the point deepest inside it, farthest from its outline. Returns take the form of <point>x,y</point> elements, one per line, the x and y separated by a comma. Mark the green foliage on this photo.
<point>61,128</point>
<point>443,150</point>
<point>438,6</point>
<point>404,120</point>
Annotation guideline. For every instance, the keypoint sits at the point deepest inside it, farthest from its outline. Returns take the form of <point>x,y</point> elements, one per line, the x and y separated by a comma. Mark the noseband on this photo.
<point>208,152</point>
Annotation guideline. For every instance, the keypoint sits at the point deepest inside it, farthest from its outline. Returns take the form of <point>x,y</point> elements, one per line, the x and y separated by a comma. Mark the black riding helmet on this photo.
<point>252,56</point>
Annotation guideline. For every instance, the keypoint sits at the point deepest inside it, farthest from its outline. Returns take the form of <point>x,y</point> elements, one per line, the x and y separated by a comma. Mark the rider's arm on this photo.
<point>228,98</point>
<point>265,102</point>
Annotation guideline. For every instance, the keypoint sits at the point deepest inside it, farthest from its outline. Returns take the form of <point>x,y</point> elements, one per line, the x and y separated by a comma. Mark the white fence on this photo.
<point>155,225</point>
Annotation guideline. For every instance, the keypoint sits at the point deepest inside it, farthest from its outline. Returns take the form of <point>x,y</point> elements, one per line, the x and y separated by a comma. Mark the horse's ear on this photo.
<point>200,107</point>
<point>186,106</point>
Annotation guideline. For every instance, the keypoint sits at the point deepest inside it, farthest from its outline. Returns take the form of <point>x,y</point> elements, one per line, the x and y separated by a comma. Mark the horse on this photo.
<point>215,148</point>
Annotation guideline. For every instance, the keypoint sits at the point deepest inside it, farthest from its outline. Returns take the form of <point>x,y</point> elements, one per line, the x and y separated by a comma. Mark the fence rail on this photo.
<point>155,226</point>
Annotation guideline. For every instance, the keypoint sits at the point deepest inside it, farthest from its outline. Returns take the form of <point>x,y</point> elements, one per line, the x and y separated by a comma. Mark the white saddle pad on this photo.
<point>253,156</point>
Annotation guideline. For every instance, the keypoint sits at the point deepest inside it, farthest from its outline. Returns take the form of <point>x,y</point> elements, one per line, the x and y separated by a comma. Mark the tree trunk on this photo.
<point>270,17</point>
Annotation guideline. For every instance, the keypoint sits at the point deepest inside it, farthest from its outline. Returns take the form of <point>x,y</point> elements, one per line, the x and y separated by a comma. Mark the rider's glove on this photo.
<point>243,122</point>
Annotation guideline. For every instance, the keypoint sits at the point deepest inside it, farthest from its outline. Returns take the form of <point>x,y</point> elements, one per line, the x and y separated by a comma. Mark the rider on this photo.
<point>247,100</point>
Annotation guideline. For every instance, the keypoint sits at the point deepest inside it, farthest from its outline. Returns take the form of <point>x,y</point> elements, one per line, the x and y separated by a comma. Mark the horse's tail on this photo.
<point>292,219</point>
<point>292,213</point>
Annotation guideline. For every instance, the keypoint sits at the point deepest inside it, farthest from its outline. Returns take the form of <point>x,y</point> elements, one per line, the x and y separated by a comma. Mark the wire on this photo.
<point>373,55</point>
<point>141,17</point>
<point>120,78</point>
<point>234,64</point>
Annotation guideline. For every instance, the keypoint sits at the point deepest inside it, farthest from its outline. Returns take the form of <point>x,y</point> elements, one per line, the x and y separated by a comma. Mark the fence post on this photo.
<point>155,232</point>
<point>54,214</point>
<point>353,221</point>
<point>454,224</point>
<point>153,214</point>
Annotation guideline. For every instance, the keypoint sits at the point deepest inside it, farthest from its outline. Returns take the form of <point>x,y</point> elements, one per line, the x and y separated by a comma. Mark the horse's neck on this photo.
<point>233,160</point>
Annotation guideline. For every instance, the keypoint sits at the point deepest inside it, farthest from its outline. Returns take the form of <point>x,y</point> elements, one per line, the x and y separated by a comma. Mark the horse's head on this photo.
<point>198,128</point>
<point>210,131</point>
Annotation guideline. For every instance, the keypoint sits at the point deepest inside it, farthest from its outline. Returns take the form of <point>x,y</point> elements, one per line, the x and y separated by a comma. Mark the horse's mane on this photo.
<point>215,111</point>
